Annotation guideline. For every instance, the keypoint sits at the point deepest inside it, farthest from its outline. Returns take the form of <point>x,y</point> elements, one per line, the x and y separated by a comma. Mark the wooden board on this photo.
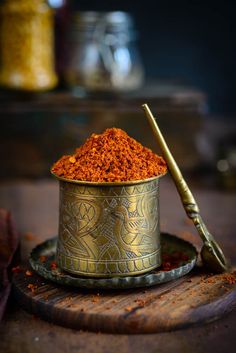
<point>193,299</point>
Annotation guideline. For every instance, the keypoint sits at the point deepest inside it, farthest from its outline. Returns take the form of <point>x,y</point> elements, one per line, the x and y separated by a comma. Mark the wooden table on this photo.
<point>35,208</point>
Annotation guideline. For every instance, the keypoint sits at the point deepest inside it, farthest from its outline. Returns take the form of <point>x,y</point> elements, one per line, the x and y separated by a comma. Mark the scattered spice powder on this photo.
<point>45,297</point>
<point>53,265</point>
<point>32,287</point>
<point>174,260</point>
<point>29,273</point>
<point>16,269</point>
<point>96,298</point>
<point>112,156</point>
<point>230,278</point>
<point>140,302</point>
<point>42,258</point>
<point>29,236</point>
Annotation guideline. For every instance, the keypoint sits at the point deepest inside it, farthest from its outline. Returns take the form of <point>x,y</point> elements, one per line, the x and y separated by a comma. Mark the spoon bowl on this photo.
<point>213,258</point>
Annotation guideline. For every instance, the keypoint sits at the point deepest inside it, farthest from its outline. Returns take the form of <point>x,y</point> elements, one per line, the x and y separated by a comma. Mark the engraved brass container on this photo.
<point>109,229</point>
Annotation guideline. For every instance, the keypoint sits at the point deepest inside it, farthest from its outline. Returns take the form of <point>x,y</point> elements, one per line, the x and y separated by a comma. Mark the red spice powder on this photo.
<point>230,278</point>
<point>16,269</point>
<point>32,287</point>
<point>53,265</point>
<point>29,273</point>
<point>96,298</point>
<point>174,260</point>
<point>42,258</point>
<point>112,156</point>
<point>29,236</point>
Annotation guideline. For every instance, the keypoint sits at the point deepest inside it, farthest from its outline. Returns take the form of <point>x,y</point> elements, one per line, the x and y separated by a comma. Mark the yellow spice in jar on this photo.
<point>27,53</point>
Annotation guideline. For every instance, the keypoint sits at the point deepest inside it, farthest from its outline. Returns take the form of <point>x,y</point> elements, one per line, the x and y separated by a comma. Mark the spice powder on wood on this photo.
<point>112,156</point>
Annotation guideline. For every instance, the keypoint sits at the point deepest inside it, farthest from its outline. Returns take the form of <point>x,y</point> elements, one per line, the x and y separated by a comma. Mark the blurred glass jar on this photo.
<point>102,53</point>
<point>27,45</point>
<point>226,162</point>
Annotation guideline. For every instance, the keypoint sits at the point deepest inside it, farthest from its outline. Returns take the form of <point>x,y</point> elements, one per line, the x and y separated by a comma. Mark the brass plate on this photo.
<point>169,244</point>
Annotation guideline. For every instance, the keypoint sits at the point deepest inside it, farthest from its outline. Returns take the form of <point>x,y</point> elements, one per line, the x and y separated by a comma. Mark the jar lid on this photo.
<point>109,19</point>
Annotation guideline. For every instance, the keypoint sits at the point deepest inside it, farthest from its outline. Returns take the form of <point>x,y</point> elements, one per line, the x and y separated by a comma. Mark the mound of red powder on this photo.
<point>112,156</point>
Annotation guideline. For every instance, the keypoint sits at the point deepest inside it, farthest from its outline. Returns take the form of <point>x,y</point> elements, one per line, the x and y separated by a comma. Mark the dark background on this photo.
<point>190,40</point>
<point>187,41</point>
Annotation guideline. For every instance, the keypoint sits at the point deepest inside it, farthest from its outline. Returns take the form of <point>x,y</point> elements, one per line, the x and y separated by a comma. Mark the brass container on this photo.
<point>109,229</point>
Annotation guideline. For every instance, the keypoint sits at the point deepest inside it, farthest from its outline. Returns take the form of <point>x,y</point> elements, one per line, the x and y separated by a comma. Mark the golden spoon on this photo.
<point>211,253</point>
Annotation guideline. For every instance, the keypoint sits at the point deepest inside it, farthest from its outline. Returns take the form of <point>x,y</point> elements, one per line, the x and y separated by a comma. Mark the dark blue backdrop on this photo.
<point>193,40</point>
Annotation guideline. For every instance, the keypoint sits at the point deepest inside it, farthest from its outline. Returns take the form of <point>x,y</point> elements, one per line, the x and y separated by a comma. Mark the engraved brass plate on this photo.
<point>169,243</point>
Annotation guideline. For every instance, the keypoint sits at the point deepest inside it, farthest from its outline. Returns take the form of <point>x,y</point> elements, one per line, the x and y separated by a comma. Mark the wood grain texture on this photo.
<point>193,299</point>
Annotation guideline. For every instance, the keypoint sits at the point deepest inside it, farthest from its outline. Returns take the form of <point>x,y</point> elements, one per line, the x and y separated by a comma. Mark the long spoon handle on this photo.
<point>212,251</point>
<point>187,198</point>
